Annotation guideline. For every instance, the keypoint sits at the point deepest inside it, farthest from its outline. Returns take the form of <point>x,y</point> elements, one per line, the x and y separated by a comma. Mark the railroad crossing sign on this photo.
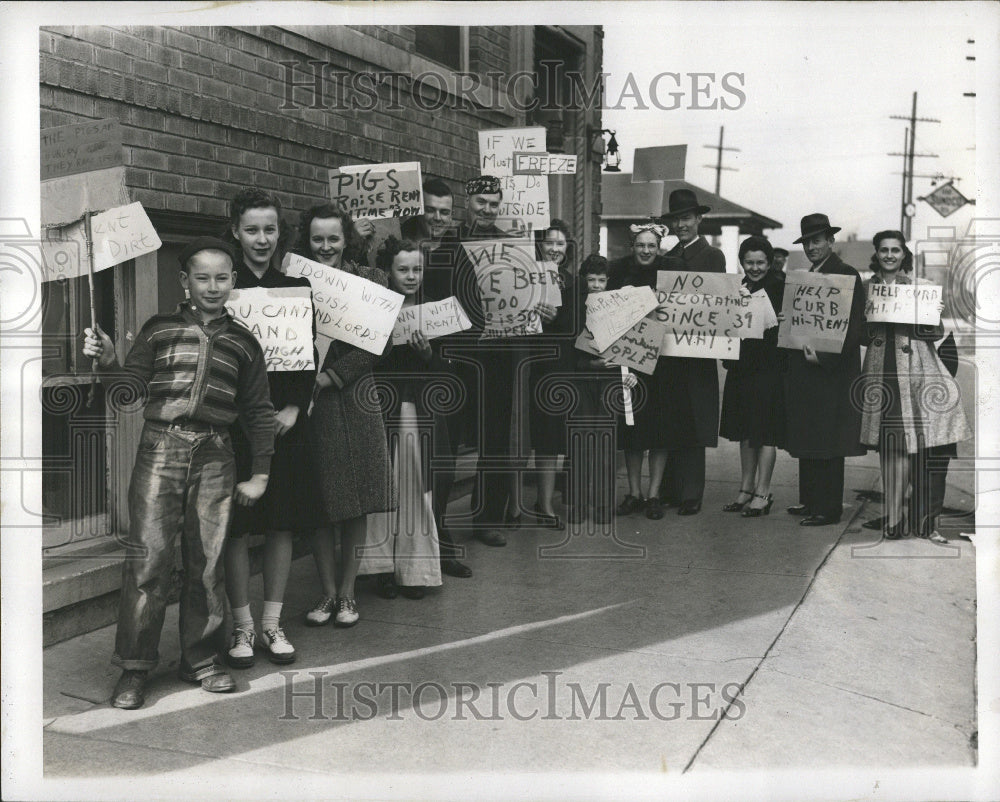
<point>946,199</point>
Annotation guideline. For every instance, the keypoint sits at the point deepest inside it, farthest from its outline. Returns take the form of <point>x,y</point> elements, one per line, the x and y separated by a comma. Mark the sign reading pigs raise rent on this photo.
<point>378,190</point>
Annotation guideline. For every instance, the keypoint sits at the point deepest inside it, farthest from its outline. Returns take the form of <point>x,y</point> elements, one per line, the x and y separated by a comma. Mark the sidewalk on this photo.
<point>839,650</point>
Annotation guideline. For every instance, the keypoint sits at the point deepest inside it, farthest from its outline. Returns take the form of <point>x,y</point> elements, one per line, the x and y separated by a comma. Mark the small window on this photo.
<point>440,43</point>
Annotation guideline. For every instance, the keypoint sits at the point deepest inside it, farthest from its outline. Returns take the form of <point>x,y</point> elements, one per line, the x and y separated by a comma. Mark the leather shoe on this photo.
<point>453,567</point>
<point>654,509</point>
<point>798,509</point>
<point>216,682</point>
<point>875,523</point>
<point>130,690</point>
<point>415,592</point>
<point>818,520</point>
<point>689,508</point>
<point>491,537</point>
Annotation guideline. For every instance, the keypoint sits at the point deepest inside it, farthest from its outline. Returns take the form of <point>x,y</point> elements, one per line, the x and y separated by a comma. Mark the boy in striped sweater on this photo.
<point>199,370</point>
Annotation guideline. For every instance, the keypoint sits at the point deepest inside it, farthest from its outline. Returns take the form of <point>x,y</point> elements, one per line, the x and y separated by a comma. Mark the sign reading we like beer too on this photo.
<point>378,190</point>
<point>511,285</point>
<point>703,312</point>
<point>348,308</point>
<point>281,318</point>
<point>816,310</point>
<point>917,304</point>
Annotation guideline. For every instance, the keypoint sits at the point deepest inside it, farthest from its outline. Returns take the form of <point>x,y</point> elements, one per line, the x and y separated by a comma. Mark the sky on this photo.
<point>821,81</point>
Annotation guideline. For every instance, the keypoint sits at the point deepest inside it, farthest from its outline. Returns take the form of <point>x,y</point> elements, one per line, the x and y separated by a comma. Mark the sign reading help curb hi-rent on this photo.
<point>281,318</point>
<point>703,313</point>
<point>817,311</point>
<point>378,190</point>
<point>348,308</point>
<point>434,319</point>
<point>916,304</point>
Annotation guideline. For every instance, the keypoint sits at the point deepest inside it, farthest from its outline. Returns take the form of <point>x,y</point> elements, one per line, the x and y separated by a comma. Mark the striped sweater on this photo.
<point>204,373</point>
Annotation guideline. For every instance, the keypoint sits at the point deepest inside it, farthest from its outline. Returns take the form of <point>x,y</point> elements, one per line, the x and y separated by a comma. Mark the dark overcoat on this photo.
<point>822,402</point>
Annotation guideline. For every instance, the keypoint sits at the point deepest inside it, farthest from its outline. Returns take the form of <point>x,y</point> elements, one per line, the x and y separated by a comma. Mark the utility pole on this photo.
<point>718,163</point>
<point>909,154</point>
<point>969,58</point>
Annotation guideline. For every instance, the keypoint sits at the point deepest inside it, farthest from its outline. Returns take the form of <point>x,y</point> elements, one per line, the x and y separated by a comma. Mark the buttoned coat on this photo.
<point>930,399</point>
<point>823,414</point>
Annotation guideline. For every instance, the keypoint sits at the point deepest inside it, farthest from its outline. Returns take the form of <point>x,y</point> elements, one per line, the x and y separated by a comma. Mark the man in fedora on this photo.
<point>692,385</point>
<point>823,423</point>
<point>780,260</point>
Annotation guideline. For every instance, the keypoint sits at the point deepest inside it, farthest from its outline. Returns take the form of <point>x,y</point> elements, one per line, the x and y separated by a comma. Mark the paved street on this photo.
<point>685,645</point>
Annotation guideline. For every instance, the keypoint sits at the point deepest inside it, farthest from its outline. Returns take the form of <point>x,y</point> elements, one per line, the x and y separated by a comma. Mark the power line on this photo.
<point>909,154</point>
<point>718,164</point>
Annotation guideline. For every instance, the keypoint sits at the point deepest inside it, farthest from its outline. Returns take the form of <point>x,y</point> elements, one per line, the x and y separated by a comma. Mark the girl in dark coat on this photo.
<point>753,409</point>
<point>549,376</point>
<point>349,438</point>
<point>639,268</point>
<point>289,504</point>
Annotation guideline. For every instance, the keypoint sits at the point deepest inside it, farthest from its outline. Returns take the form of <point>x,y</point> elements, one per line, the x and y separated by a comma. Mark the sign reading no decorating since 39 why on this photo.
<point>281,318</point>
<point>703,313</point>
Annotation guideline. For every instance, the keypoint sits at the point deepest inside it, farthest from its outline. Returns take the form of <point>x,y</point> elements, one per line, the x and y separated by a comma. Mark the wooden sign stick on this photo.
<point>93,310</point>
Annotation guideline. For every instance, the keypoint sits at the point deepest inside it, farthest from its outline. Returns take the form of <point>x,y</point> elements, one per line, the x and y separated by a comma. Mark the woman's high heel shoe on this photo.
<point>897,532</point>
<point>737,506</point>
<point>756,512</point>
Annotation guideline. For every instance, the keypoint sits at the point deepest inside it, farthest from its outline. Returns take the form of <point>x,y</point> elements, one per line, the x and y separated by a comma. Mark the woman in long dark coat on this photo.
<point>349,438</point>
<point>648,433</point>
<point>753,406</point>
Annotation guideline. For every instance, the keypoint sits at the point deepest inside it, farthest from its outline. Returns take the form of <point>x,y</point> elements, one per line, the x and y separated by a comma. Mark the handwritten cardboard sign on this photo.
<point>525,197</point>
<point>434,319</point>
<point>916,304</point>
<point>816,310</point>
<point>702,312</point>
<point>544,164</point>
<point>121,234</point>
<point>66,199</point>
<point>638,348</point>
<point>610,314</point>
<point>378,190</point>
<point>80,148</point>
<point>758,316</point>
<point>281,318</point>
<point>511,285</point>
<point>348,308</point>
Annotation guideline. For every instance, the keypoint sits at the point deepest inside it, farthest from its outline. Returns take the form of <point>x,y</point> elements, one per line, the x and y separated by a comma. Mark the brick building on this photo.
<point>208,110</point>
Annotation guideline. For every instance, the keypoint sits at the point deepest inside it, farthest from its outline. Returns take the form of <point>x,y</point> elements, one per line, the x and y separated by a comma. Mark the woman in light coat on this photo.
<point>911,405</point>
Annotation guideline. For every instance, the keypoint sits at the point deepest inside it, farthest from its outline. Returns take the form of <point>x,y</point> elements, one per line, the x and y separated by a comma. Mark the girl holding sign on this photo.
<point>289,504</point>
<point>912,410</point>
<point>410,553</point>
<point>753,406</point>
<point>346,422</point>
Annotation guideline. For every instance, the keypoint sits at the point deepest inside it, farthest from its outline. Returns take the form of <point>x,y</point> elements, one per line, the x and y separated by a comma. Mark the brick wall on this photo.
<point>202,117</point>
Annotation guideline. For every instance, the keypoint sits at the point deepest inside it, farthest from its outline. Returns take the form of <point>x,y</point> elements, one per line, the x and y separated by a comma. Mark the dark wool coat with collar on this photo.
<point>822,402</point>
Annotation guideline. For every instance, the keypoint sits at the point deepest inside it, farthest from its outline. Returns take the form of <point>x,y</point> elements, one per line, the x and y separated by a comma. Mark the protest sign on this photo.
<point>756,317</point>
<point>917,304</point>
<point>511,285</point>
<point>80,148</point>
<point>378,190</point>
<point>348,308</point>
<point>544,164</point>
<point>281,318</point>
<point>525,197</point>
<point>638,348</point>
<point>610,314</point>
<point>702,312</point>
<point>434,319</point>
<point>662,163</point>
<point>816,310</point>
<point>122,234</point>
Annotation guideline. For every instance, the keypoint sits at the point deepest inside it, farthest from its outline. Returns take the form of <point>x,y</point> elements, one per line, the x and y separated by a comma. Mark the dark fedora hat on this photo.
<point>813,224</point>
<point>681,202</point>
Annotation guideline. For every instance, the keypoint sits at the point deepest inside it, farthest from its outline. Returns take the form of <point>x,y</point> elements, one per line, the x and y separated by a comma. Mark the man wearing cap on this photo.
<point>780,260</point>
<point>691,389</point>
<point>199,370</point>
<point>823,422</point>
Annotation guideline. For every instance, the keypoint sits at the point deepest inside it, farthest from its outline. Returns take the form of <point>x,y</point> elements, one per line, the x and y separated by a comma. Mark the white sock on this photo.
<point>271,615</point>
<point>242,618</point>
